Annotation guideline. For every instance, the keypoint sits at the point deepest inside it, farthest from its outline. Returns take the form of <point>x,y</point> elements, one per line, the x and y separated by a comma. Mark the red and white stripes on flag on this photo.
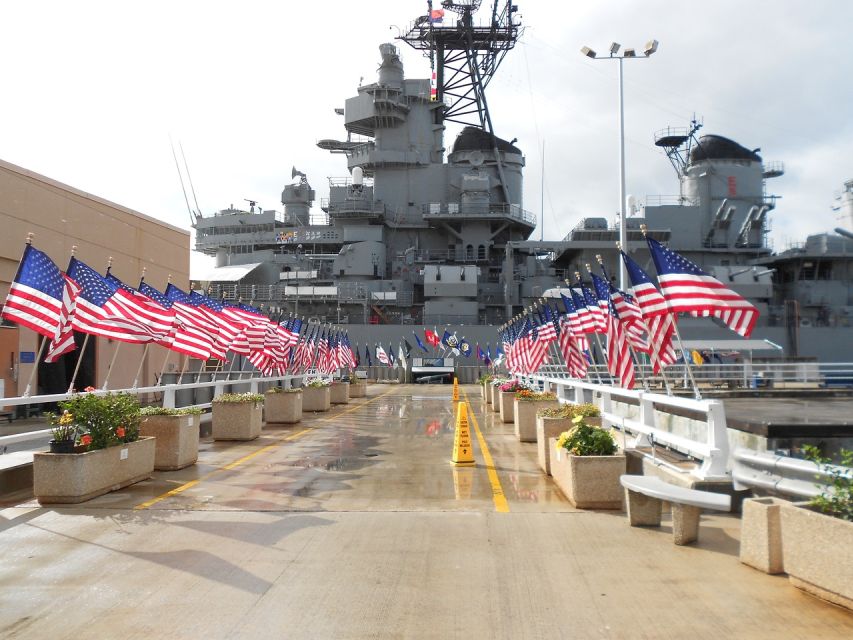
<point>570,348</point>
<point>688,289</point>
<point>619,362</point>
<point>63,339</point>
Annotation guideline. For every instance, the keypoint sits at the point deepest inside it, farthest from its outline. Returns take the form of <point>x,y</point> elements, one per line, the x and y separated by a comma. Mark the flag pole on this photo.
<point>183,368</point>
<point>79,360</point>
<point>29,241</point>
<point>141,362</point>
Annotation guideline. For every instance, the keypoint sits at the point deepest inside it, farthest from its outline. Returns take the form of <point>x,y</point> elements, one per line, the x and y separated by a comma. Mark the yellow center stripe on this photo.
<point>232,465</point>
<point>501,505</point>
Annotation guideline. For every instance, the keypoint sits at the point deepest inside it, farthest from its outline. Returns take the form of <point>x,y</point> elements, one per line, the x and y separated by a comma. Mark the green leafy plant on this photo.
<point>837,497</point>
<point>570,410</point>
<point>585,440</point>
<point>239,397</point>
<point>164,411</point>
<point>486,378</point>
<point>104,420</point>
<point>497,382</point>
<point>275,390</point>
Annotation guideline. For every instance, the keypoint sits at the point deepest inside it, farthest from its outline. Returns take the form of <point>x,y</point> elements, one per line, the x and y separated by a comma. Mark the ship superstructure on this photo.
<point>417,233</point>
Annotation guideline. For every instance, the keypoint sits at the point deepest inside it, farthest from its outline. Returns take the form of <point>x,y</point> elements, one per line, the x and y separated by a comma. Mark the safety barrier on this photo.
<point>783,475</point>
<point>695,428</point>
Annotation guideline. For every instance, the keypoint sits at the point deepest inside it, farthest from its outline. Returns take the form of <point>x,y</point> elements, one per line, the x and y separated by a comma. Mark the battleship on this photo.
<point>417,234</point>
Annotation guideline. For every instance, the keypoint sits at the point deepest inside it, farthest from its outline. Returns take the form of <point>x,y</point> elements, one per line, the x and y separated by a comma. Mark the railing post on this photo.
<point>647,419</point>
<point>286,383</point>
<point>169,397</point>
<point>718,442</point>
<point>579,395</point>
<point>253,386</point>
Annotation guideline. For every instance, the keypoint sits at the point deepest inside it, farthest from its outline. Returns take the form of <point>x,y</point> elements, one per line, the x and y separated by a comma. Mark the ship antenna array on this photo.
<point>677,143</point>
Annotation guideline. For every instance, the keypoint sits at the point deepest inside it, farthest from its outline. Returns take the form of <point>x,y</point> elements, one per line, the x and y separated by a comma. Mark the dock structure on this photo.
<point>354,524</point>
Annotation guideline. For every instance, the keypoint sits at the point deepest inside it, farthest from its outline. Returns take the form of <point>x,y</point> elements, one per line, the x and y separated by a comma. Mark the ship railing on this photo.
<point>479,210</point>
<point>670,200</point>
<point>695,428</point>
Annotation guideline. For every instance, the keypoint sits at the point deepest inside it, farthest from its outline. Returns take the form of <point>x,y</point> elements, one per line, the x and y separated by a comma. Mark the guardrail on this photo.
<point>782,475</point>
<point>696,428</point>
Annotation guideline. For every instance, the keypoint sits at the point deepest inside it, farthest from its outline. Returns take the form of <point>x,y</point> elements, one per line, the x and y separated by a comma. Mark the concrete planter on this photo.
<point>357,390</point>
<point>548,429</point>
<point>236,420</point>
<point>176,443</point>
<point>487,393</point>
<point>339,393</point>
<point>589,482</point>
<point>817,553</point>
<point>285,406</point>
<point>495,394</point>
<point>316,399</point>
<point>69,478</point>
<point>507,405</point>
<point>525,417</point>
<point>761,534</point>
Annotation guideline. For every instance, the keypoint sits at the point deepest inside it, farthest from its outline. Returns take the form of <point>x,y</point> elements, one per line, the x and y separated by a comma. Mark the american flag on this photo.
<point>212,308</point>
<point>144,309</point>
<point>569,347</point>
<point>35,296</point>
<point>619,362</point>
<point>689,289</point>
<point>626,308</point>
<point>187,339</point>
<point>587,322</point>
<point>191,316</point>
<point>547,331</point>
<point>599,314</point>
<point>659,320</point>
<point>97,312</point>
<point>381,356</point>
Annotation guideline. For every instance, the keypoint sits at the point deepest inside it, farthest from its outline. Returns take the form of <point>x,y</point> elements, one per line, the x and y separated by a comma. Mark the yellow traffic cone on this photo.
<point>463,453</point>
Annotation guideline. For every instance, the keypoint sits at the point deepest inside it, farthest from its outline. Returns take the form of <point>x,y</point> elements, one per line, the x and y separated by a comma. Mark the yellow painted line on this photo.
<point>498,496</point>
<point>232,465</point>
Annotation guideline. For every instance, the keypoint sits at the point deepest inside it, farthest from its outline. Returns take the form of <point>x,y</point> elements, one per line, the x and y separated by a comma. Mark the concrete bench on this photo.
<point>644,495</point>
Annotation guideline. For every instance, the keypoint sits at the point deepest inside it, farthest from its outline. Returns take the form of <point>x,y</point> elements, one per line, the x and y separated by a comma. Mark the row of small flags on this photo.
<point>57,304</point>
<point>644,322</point>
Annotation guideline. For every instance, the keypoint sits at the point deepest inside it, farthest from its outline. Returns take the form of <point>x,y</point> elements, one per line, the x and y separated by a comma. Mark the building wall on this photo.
<point>61,216</point>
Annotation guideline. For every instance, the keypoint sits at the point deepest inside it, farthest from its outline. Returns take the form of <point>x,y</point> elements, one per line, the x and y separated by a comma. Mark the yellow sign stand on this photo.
<point>455,390</point>
<point>463,452</point>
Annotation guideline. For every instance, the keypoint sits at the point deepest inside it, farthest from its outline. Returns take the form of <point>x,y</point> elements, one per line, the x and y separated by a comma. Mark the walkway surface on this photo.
<point>353,524</point>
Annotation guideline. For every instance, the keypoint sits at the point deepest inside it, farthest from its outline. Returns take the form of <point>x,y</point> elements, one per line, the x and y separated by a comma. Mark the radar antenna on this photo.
<point>677,143</point>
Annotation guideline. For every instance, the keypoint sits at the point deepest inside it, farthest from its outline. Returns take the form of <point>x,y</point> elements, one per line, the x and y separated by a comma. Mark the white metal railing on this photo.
<point>782,474</point>
<point>696,428</point>
<point>169,396</point>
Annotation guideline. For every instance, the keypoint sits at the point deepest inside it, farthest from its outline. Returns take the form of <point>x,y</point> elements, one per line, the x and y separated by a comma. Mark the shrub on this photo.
<point>585,440</point>
<point>104,420</point>
<point>275,390</point>
<point>486,378</point>
<point>837,498</point>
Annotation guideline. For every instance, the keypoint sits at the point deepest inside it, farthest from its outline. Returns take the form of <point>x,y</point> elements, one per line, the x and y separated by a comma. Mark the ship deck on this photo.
<point>354,524</point>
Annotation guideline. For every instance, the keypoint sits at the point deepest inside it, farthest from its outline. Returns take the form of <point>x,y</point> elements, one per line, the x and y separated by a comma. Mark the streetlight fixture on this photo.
<point>650,48</point>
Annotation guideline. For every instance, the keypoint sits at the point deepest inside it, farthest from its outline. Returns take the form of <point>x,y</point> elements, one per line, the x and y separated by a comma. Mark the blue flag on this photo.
<point>420,343</point>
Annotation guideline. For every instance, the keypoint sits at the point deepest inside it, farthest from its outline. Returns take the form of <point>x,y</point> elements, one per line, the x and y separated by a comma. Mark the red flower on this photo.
<point>86,440</point>
<point>87,389</point>
<point>120,432</point>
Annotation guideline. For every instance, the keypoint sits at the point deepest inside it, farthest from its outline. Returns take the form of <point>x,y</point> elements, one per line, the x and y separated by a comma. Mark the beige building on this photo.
<point>61,217</point>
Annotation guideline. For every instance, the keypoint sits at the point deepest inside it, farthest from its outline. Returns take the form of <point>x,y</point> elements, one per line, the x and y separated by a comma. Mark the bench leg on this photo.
<point>685,523</point>
<point>643,511</point>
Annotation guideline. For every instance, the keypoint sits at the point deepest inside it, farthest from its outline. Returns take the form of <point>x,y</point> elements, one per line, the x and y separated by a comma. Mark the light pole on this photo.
<point>650,48</point>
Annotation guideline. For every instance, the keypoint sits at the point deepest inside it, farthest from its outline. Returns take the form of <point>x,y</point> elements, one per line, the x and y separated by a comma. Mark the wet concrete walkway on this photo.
<point>353,524</point>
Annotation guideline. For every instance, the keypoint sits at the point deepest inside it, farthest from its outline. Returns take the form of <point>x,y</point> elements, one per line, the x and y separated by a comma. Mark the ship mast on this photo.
<point>464,58</point>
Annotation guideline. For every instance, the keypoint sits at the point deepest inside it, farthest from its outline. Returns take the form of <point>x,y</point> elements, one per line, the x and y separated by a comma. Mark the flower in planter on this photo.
<point>512,386</point>
<point>528,395</point>
<point>275,390</point>
<point>100,416</point>
<point>585,440</point>
<point>317,383</point>
<point>120,432</point>
<point>239,397</point>
<point>63,428</point>
<point>166,411</point>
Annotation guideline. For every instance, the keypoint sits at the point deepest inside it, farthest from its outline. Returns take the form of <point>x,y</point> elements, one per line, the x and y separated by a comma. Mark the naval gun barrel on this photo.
<point>844,232</point>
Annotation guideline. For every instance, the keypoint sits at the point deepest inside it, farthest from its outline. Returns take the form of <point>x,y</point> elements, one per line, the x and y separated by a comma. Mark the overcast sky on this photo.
<point>93,90</point>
